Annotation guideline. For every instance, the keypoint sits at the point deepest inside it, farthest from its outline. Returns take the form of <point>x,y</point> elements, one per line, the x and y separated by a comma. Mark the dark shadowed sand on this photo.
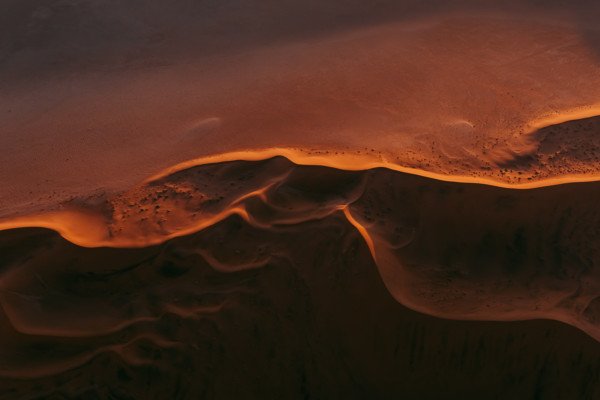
<point>167,322</point>
<point>299,199</point>
<point>269,280</point>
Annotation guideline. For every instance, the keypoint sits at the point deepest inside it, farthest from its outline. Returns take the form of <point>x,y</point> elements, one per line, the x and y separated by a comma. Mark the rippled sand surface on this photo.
<point>99,96</point>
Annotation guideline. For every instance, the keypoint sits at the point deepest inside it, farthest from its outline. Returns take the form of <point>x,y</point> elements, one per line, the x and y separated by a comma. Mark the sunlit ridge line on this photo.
<point>361,229</point>
<point>363,163</point>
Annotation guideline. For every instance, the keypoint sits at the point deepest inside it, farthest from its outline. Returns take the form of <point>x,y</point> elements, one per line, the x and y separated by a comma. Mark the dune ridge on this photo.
<point>68,221</point>
<point>346,196</point>
<point>449,249</point>
<point>162,322</point>
<point>358,162</point>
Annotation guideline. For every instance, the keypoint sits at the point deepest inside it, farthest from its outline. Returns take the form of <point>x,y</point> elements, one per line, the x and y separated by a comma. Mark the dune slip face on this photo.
<point>299,199</point>
<point>454,250</point>
<point>277,249</point>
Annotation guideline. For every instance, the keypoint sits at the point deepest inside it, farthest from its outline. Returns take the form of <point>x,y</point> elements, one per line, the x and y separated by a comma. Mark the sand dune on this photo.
<point>357,199</point>
<point>281,283</point>
<point>453,250</point>
<point>450,91</point>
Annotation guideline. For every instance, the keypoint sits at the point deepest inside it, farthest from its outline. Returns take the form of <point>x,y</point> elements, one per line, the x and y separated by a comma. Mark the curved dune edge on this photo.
<point>68,223</point>
<point>362,163</point>
<point>71,234</point>
<point>89,232</point>
<point>354,162</point>
<point>564,116</point>
<point>89,228</point>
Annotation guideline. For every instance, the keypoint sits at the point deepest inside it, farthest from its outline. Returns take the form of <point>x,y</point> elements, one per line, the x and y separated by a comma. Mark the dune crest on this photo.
<point>450,249</point>
<point>355,199</point>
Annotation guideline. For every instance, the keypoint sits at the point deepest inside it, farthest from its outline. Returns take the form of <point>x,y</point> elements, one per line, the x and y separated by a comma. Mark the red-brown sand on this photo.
<point>345,197</point>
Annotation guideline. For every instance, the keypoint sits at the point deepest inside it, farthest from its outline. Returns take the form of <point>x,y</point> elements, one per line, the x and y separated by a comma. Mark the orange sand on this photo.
<point>454,147</point>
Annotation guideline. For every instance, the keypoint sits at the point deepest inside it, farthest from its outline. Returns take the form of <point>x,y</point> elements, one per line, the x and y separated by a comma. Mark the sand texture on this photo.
<point>299,199</point>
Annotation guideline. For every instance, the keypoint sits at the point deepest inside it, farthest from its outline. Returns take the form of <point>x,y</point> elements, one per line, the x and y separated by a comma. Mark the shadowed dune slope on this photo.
<point>452,250</point>
<point>236,311</point>
<point>299,199</point>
